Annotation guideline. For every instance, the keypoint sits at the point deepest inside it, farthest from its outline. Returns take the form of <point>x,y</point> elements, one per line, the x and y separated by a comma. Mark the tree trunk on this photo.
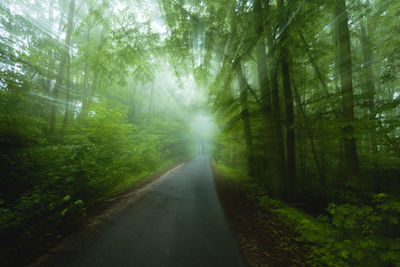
<point>307,125</point>
<point>346,77</point>
<point>60,71</point>
<point>243,85</point>
<point>92,90</point>
<point>335,42</point>
<point>68,92</point>
<point>274,144</point>
<point>291,182</point>
<point>85,85</point>
<point>368,87</point>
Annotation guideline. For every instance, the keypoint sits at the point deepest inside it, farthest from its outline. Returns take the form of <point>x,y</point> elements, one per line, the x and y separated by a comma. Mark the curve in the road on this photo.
<point>177,221</point>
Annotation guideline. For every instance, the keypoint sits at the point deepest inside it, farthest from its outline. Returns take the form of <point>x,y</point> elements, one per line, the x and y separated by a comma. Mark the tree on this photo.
<point>270,105</point>
<point>243,88</point>
<point>60,70</point>
<point>291,179</point>
<point>346,78</point>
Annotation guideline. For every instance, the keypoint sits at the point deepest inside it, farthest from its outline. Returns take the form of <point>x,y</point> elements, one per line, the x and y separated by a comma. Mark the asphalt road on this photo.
<point>176,221</point>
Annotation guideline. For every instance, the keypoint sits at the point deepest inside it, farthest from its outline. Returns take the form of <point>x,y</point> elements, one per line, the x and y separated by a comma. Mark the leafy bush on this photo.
<point>350,235</point>
<point>51,184</point>
<point>346,235</point>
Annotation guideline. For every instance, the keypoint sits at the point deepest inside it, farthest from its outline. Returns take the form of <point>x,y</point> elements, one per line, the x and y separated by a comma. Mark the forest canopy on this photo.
<point>304,97</point>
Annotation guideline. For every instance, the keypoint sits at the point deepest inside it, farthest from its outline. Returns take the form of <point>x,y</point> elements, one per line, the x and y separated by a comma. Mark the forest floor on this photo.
<point>265,239</point>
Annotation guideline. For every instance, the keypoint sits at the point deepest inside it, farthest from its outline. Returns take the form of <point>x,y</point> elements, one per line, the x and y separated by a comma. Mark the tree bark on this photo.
<point>318,163</point>
<point>93,89</point>
<point>85,86</point>
<point>274,144</point>
<point>68,92</point>
<point>291,182</point>
<point>244,86</point>
<point>60,71</point>
<point>368,87</point>
<point>346,77</point>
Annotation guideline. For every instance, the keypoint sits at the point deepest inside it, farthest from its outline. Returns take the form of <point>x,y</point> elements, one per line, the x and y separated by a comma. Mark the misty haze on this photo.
<point>199,133</point>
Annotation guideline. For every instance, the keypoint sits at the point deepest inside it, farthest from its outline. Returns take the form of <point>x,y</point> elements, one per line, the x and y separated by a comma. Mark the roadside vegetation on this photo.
<point>85,111</point>
<point>304,95</point>
<point>307,103</point>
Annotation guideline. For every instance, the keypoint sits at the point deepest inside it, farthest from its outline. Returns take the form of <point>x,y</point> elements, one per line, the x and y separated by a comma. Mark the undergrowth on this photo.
<point>367,234</point>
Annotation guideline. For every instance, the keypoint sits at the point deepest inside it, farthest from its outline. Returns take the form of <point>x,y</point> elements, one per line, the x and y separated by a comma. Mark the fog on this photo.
<point>139,69</point>
<point>203,130</point>
<point>295,102</point>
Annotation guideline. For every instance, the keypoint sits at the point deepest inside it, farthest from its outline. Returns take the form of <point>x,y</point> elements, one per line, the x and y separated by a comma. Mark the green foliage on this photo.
<point>350,235</point>
<point>353,235</point>
<point>111,129</point>
<point>119,116</point>
<point>347,235</point>
<point>88,166</point>
<point>329,167</point>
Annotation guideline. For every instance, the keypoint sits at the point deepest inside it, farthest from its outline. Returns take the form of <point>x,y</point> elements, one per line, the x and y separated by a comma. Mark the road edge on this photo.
<point>105,208</point>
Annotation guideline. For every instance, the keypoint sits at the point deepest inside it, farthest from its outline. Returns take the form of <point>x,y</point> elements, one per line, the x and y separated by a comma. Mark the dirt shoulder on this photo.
<point>266,240</point>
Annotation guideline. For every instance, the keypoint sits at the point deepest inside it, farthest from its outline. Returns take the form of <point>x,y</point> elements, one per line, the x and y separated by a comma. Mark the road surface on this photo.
<point>175,221</point>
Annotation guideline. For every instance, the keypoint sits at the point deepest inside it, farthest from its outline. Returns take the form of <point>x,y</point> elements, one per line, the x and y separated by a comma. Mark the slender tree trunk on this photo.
<point>50,69</point>
<point>274,153</point>
<point>321,78</point>
<point>336,78</point>
<point>243,85</point>
<point>68,91</point>
<point>150,106</point>
<point>60,71</point>
<point>89,91</point>
<point>291,183</point>
<point>92,91</point>
<point>346,77</point>
<point>369,85</point>
<point>85,85</point>
<point>44,110</point>
<point>307,126</point>
<point>335,42</point>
